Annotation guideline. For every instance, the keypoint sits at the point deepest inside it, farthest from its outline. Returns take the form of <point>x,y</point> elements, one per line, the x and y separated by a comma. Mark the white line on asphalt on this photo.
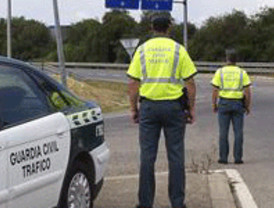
<point>115,115</point>
<point>117,75</point>
<point>263,78</point>
<point>134,176</point>
<point>241,191</point>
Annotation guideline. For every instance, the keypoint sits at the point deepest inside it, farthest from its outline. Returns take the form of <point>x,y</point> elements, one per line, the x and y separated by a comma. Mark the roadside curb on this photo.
<point>238,189</point>
<point>220,192</point>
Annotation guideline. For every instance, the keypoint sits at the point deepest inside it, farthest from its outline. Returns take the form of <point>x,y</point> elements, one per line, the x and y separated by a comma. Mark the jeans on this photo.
<point>155,115</point>
<point>231,110</point>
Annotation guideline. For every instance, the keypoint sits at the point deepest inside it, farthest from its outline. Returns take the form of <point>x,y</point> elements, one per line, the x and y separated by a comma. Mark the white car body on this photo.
<point>37,155</point>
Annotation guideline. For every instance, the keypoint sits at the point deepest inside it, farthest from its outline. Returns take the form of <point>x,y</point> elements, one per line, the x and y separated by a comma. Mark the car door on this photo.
<point>3,175</point>
<point>37,155</point>
<point>35,142</point>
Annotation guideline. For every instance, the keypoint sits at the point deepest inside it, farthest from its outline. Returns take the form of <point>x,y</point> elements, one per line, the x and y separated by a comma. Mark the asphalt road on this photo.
<point>258,169</point>
<point>202,139</point>
<point>100,74</point>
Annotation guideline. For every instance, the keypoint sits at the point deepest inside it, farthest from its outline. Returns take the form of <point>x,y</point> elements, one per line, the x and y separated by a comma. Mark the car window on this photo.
<point>55,100</point>
<point>59,98</point>
<point>20,98</point>
<point>72,99</point>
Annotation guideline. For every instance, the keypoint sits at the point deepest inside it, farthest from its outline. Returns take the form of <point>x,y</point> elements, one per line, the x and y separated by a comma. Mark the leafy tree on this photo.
<point>177,32</point>
<point>116,25</point>
<point>3,37</point>
<point>81,44</point>
<point>144,31</point>
<point>218,34</point>
<point>262,35</point>
<point>30,39</point>
<point>93,41</point>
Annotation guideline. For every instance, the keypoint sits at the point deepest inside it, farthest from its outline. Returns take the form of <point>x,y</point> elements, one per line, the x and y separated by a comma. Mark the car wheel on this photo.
<point>77,191</point>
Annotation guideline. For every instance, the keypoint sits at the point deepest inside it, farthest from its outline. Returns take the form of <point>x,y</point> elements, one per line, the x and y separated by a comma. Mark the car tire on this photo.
<point>78,187</point>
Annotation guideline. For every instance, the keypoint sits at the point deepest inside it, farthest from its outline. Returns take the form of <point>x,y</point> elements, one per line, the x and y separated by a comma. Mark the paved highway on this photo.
<point>258,169</point>
<point>202,138</point>
<point>100,74</point>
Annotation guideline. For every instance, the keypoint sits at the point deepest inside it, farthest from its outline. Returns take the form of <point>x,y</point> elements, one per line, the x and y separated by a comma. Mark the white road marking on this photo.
<point>241,191</point>
<point>264,78</point>
<point>114,115</point>
<point>134,176</point>
<point>117,75</point>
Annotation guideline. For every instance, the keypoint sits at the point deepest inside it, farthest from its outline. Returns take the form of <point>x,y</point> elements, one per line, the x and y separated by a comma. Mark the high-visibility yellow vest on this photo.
<point>231,81</point>
<point>161,65</point>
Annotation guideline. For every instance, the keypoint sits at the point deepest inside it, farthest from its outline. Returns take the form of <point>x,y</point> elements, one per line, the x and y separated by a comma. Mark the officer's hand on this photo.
<point>247,111</point>
<point>191,117</point>
<point>214,108</point>
<point>135,116</point>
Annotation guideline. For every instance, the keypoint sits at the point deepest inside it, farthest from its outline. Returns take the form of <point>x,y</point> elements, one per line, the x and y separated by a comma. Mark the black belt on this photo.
<point>146,99</point>
<point>232,99</point>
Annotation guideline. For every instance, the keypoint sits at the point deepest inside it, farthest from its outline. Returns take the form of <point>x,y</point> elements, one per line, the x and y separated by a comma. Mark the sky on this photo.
<point>72,11</point>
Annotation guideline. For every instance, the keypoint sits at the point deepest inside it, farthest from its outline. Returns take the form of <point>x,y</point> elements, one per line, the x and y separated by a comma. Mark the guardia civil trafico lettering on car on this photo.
<point>52,148</point>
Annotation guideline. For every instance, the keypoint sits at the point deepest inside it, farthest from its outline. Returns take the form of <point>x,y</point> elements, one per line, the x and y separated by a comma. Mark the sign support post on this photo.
<point>59,42</point>
<point>185,24</point>
<point>9,53</point>
<point>184,2</point>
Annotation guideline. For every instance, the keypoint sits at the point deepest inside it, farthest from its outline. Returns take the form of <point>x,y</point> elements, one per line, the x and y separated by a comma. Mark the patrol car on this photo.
<point>52,148</point>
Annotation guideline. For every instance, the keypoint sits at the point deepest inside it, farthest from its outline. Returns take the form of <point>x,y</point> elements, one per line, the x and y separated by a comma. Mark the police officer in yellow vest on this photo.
<point>156,73</point>
<point>231,85</point>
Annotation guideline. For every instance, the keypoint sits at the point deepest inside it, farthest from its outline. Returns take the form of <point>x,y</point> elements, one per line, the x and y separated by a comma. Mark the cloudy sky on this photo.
<point>72,11</point>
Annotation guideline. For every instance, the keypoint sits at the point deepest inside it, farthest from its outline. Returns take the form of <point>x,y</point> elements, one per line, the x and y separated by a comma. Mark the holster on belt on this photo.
<point>184,101</point>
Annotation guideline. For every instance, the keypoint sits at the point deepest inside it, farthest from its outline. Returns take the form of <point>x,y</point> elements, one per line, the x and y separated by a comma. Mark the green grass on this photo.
<point>111,96</point>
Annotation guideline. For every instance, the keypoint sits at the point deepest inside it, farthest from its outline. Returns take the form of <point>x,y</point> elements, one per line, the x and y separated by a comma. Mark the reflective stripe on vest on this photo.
<point>143,62</point>
<point>172,79</point>
<point>239,88</point>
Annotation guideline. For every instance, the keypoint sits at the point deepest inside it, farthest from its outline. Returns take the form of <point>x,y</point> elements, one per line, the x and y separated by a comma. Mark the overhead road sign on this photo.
<point>164,5</point>
<point>123,4</point>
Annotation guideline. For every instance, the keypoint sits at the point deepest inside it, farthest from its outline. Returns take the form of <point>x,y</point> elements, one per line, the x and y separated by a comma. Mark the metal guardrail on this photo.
<point>203,67</point>
<point>51,69</point>
<point>93,65</point>
<point>250,67</point>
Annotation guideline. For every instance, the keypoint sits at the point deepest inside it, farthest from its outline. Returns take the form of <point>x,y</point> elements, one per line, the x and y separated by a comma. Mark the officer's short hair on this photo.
<point>231,55</point>
<point>160,21</point>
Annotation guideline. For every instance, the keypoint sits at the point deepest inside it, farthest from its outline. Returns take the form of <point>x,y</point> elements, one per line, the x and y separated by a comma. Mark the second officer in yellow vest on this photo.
<point>156,73</point>
<point>231,85</point>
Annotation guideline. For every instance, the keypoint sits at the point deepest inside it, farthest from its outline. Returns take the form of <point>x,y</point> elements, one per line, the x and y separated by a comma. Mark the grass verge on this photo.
<point>111,96</point>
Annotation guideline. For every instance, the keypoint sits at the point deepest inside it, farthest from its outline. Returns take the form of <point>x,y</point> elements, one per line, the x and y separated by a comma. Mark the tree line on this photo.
<point>93,41</point>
